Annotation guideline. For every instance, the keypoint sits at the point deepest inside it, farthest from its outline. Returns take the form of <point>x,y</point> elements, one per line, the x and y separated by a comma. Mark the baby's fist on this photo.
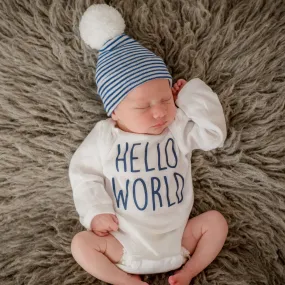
<point>102,224</point>
<point>177,87</point>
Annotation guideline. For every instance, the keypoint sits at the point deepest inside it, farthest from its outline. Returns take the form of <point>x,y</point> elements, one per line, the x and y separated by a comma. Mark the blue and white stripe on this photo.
<point>124,64</point>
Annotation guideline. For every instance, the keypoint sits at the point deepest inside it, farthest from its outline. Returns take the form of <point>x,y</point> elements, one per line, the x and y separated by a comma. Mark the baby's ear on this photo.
<point>114,116</point>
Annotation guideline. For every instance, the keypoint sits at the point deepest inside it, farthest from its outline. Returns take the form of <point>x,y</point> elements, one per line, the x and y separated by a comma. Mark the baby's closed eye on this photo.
<point>142,107</point>
<point>168,100</point>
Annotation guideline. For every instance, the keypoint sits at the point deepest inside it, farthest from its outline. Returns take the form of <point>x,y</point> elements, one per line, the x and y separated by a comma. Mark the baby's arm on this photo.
<point>201,116</point>
<point>92,202</point>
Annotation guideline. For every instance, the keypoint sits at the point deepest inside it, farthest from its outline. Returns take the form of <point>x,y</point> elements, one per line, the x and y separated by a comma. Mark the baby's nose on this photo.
<point>158,111</point>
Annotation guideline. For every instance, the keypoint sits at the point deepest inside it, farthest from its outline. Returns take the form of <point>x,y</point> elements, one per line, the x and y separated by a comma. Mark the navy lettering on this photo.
<point>145,160</point>
<point>135,195</point>
<point>158,152</point>
<point>167,192</point>
<point>132,157</point>
<point>122,159</point>
<point>174,153</point>
<point>177,184</point>
<point>155,192</point>
<point>121,194</point>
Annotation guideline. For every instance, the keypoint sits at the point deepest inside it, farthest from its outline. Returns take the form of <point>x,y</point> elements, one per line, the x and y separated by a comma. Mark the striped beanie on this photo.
<point>123,63</point>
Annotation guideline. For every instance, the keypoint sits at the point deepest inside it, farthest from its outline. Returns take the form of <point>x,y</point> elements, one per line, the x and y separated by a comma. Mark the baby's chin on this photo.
<point>152,130</point>
<point>156,132</point>
<point>149,131</point>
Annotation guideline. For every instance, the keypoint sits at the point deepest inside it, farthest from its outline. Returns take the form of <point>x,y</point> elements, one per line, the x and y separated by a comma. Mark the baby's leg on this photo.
<point>97,256</point>
<point>204,237</point>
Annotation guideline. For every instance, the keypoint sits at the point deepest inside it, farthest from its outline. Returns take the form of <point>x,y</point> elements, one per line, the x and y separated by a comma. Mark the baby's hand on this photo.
<point>104,223</point>
<point>177,87</point>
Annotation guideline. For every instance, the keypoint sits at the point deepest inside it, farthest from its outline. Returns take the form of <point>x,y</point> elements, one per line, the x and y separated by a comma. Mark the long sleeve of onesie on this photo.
<point>200,121</point>
<point>87,180</point>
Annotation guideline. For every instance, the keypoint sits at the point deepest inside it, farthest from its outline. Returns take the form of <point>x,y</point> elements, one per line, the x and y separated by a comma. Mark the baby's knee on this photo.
<point>87,240</point>
<point>218,221</point>
<point>83,240</point>
<point>77,241</point>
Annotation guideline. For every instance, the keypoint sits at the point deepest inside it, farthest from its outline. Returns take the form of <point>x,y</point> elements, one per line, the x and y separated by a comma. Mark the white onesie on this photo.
<point>146,179</point>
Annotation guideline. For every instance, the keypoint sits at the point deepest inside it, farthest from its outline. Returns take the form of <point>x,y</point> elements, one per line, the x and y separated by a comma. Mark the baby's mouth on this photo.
<point>160,124</point>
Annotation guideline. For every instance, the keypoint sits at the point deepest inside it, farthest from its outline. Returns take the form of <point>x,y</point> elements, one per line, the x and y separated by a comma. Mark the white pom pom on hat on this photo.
<point>99,24</point>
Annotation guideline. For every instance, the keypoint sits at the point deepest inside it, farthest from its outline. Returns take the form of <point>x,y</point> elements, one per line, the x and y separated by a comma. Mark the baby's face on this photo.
<point>147,109</point>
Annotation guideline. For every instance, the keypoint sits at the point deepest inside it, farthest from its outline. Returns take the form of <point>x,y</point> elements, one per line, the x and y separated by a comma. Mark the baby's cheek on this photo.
<point>172,111</point>
<point>139,123</point>
<point>147,121</point>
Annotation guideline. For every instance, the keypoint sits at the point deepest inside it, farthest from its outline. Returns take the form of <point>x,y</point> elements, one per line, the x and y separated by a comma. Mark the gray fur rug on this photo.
<point>48,105</point>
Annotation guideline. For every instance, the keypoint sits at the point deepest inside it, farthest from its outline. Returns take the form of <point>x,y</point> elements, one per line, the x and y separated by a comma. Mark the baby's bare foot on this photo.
<point>180,277</point>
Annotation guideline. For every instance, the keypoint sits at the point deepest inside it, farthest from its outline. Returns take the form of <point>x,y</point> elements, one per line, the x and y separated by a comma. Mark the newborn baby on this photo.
<point>131,177</point>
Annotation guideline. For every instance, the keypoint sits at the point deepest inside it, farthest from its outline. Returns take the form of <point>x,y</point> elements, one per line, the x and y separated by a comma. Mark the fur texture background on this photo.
<point>48,105</point>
